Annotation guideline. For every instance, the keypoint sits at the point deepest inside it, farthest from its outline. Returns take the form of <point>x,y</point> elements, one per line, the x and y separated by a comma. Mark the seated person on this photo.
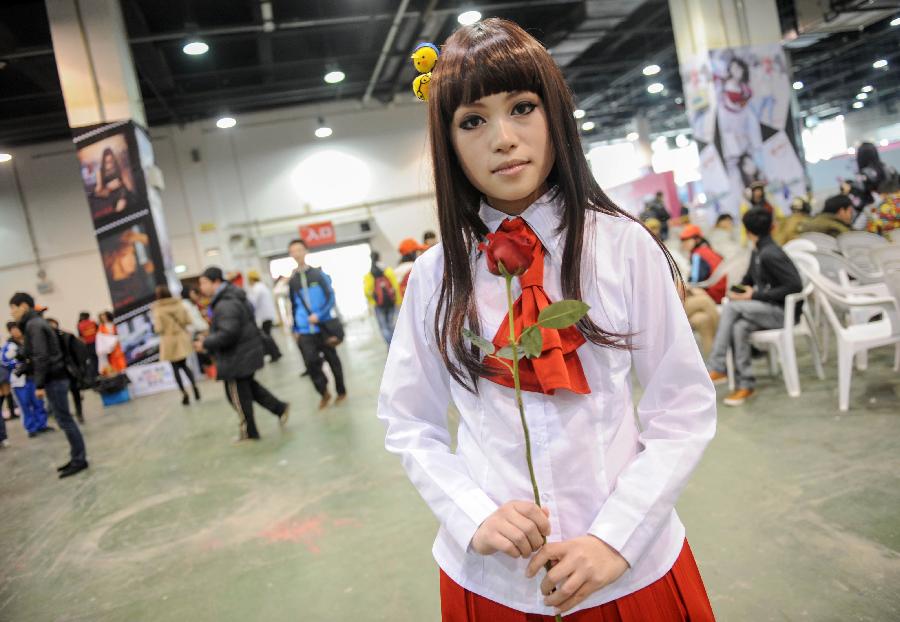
<point>834,219</point>
<point>759,305</point>
<point>699,303</point>
<point>789,228</point>
<point>723,237</point>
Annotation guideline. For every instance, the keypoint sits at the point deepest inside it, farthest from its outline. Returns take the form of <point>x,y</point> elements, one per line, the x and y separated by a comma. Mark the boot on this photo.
<point>184,398</point>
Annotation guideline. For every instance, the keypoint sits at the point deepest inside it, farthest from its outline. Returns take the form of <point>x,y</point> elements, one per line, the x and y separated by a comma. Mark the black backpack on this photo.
<point>75,356</point>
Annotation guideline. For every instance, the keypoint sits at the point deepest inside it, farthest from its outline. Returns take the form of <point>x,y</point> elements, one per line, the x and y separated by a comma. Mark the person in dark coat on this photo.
<point>45,363</point>
<point>235,343</point>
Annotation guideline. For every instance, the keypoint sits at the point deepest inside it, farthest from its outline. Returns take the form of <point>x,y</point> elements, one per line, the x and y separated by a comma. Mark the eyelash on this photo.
<point>465,123</point>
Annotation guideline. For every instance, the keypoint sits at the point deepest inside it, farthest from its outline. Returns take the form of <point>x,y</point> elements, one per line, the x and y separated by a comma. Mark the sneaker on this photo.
<point>4,444</point>
<point>326,398</point>
<point>65,466</point>
<point>718,377</point>
<point>739,397</point>
<point>283,417</point>
<point>72,469</point>
<point>46,429</point>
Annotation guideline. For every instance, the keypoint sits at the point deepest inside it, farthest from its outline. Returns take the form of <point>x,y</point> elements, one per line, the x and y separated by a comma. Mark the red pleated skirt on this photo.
<point>679,596</point>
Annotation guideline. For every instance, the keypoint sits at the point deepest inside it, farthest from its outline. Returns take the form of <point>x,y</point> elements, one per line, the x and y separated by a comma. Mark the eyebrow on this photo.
<point>478,104</point>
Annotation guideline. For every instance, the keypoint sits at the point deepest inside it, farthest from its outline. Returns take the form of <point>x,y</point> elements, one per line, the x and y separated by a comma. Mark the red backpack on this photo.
<point>384,293</point>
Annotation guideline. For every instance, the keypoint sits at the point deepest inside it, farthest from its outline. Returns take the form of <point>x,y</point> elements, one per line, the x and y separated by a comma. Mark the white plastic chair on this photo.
<point>780,341</point>
<point>856,246</point>
<point>799,244</point>
<point>886,257</point>
<point>855,339</point>
<point>823,241</point>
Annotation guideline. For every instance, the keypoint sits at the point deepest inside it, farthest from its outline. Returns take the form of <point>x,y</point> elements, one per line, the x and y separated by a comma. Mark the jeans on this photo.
<point>242,392</point>
<point>740,318</point>
<point>58,400</point>
<point>387,317</point>
<point>314,351</point>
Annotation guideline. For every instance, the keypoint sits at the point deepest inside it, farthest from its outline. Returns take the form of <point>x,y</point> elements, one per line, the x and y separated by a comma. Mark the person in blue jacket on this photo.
<point>312,306</point>
<point>34,414</point>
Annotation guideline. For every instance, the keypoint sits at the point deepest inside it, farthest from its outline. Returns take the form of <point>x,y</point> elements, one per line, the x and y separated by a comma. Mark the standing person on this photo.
<point>44,358</point>
<point>383,293</point>
<point>34,415</point>
<point>87,331</point>
<point>171,323</point>
<point>429,239</point>
<point>312,305</point>
<point>759,305</point>
<point>109,350</point>
<point>500,124</point>
<point>263,303</point>
<point>75,357</point>
<point>235,343</point>
<point>409,251</point>
<point>656,208</point>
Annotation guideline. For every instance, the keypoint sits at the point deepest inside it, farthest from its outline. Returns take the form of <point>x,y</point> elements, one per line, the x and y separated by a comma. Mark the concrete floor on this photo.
<point>794,513</point>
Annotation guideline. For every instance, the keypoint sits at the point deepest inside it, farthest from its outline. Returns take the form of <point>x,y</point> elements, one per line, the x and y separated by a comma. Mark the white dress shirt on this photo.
<point>600,470</point>
<point>263,303</point>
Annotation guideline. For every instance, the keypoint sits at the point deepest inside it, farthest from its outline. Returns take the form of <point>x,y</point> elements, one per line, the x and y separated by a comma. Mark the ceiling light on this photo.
<point>840,117</point>
<point>797,85</point>
<point>867,88</point>
<point>883,142</point>
<point>180,269</point>
<point>861,96</point>
<point>682,141</point>
<point>333,77</point>
<point>895,21</point>
<point>679,101</point>
<point>655,88</point>
<point>587,126</point>
<point>5,157</point>
<point>226,122</point>
<point>195,48</point>
<point>651,70</point>
<point>632,136</point>
<point>578,114</point>
<point>858,105</point>
<point>468,18</point>
<point>323,131</point>
<point>878,64</point>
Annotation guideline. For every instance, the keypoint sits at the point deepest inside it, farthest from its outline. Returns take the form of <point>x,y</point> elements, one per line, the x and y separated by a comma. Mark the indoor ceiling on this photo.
<point>269,53</point>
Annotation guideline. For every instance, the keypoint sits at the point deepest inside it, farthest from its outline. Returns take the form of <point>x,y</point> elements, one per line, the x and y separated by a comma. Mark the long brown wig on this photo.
<point>496,56</point>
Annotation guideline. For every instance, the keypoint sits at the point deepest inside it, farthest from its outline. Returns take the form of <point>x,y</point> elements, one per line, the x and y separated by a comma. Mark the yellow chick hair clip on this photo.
<point>424,58</point>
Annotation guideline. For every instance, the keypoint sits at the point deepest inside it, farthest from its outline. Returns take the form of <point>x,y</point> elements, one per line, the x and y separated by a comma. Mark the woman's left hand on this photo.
<point>581,566</point>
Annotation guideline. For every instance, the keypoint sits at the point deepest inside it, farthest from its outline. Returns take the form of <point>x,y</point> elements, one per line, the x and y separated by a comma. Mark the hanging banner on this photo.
<point>738,102</point>
<point>115,160</point>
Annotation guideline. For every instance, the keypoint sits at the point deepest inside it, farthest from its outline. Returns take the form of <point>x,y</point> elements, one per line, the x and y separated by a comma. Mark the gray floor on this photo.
<point>794,513</point>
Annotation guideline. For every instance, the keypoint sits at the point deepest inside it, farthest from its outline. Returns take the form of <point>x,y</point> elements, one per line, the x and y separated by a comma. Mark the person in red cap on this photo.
<point>409,250</point>
<point>700,303</point>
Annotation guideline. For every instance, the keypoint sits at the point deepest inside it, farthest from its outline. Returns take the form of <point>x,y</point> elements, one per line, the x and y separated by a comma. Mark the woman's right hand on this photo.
<point>517,528</point>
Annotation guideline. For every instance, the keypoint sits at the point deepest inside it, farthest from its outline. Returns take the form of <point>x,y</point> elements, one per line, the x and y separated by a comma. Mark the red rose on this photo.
<point>512,250</point>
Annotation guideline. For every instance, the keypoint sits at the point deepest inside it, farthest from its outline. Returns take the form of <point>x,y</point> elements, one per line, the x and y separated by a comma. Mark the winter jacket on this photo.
<point>790,228</point>
<point>42,352</point>
<point>704,261</point>
<point>772,274</point>
<point>825,223</point>
<point>234,339</point>
<point>317,297</point>
<point>171,321</point>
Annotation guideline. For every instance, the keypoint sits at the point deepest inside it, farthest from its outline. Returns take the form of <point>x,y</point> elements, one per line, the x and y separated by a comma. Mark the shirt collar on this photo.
<point>543,216</point>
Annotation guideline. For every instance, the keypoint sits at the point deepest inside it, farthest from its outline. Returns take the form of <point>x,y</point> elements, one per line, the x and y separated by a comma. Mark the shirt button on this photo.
<point>545,497</point>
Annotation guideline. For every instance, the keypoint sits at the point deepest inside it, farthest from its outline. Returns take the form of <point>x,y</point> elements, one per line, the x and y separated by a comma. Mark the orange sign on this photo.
<point>318,234</point>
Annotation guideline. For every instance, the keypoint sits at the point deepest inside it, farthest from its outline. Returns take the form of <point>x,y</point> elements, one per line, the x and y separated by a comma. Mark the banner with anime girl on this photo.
<point>739,103</point>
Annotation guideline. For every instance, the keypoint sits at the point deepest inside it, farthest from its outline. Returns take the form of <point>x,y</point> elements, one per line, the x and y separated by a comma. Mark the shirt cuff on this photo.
<point>618,526</point>
<point>471,511</point>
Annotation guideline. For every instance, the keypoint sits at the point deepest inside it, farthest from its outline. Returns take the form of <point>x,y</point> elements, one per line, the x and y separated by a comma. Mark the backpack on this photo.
<point>75,357</point>
<point>384,294</point>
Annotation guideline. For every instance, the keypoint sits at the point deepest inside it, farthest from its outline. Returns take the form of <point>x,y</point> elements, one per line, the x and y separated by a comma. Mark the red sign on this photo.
<point>318,234</point>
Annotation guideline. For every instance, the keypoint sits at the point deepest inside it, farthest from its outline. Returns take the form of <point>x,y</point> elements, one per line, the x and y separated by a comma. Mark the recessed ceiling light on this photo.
<point>797,85</point>
<point>333,77</point>
<point>5,157</point>
<point>632,136</point>
<point>655,88</point>
<point>867,88</point>
<point>858,105</point>
<point>682,141</point>
<point>895,21</point>
<point>878,64</point>
<point>861,96</point>
<point>651,70</point>
<point>195,48</point>
<point>180,269</point>
<point>323,131</point>
<point>468,17</point>
<point>587,126</point>
<point>578,114</point>
<point>226,122</point>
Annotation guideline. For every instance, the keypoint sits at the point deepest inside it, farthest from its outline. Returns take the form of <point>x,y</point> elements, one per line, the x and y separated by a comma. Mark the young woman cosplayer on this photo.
<point>506,152</point>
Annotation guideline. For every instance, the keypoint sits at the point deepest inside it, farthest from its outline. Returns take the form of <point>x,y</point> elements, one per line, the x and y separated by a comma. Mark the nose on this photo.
<point>504,137</point>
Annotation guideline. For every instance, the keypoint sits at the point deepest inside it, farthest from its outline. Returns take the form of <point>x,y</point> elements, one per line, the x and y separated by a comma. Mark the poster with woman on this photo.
<point>131,260</point>
<point>113,180</point>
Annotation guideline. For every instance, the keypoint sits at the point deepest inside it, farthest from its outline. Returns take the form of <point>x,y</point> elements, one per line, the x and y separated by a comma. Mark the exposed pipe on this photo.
<point>385,50</point>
